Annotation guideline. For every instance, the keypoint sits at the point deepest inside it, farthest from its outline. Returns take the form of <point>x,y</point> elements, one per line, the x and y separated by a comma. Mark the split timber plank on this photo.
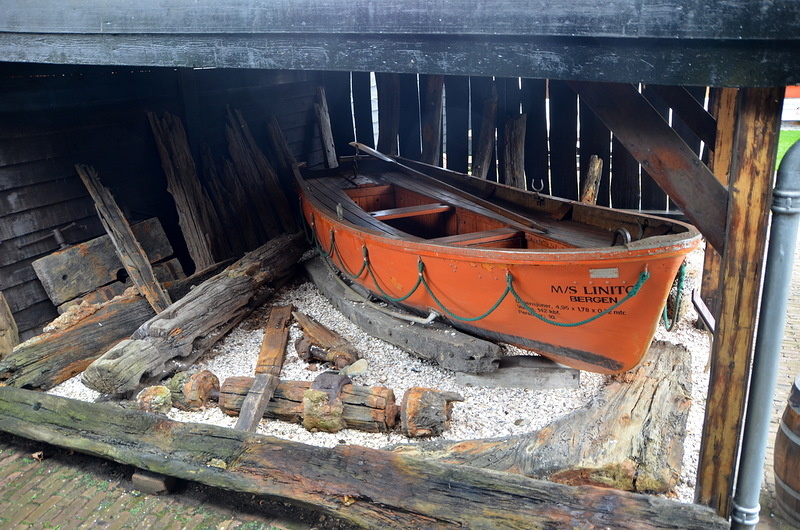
<point>179,334</point>
<point>751,180</point>
<point>369,487</point>
<point>276,337</point>
<point>84,267</point>
<point>128,248</point>
<point>452,350</point>
<point>665,156</point>
<point>388,86</point>
<point>484,151</point>
<point>514,148</point>
<point>256,401</point>
<point>432,118</point>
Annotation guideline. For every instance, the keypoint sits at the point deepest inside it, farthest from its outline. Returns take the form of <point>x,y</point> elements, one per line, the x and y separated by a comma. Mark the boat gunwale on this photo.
<point>653,246</point>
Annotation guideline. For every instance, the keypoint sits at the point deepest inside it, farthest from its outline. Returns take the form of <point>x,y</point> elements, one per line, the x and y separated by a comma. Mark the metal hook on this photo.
<point>540,188</point>
<point>624,234</point>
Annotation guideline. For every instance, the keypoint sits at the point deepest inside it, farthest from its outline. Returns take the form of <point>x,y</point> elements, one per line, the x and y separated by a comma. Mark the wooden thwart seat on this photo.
<point>505,237</point>
<point>410,211</point>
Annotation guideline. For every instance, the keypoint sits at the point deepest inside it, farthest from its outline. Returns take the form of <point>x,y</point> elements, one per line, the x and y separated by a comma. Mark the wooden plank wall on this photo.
<point>556,151</point>
<point>54,116</point>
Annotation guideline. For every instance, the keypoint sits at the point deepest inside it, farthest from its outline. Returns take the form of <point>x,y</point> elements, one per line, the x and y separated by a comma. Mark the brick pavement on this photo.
<point>67,490</point>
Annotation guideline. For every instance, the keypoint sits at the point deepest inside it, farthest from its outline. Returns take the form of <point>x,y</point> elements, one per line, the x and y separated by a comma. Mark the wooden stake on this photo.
<point>432,121</point>
<point>590,187</point>
<point>483,152</point>
<point>324,121</point>
<point>128,249</point>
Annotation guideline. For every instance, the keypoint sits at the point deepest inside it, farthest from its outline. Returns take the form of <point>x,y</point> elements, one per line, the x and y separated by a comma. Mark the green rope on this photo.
<point>366,265</point>
<point>669,324</point>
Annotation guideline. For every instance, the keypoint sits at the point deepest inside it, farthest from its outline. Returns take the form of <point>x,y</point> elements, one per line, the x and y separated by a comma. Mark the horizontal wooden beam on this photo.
<point>369,487</point>
<point>665,156</point>
<point>678,19</point>
<point>664,61</point>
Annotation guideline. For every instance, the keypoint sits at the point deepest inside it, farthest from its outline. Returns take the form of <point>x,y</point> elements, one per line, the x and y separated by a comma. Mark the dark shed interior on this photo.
<point>77,83</point>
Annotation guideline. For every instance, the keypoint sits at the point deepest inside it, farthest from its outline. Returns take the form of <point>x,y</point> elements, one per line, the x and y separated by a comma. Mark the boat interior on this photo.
<point>421,208</point>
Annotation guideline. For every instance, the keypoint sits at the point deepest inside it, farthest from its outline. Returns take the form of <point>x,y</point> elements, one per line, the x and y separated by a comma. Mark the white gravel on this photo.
<point>486,412</point>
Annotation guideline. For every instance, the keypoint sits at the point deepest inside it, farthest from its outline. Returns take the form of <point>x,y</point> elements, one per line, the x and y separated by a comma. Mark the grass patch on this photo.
<point>786,139</point>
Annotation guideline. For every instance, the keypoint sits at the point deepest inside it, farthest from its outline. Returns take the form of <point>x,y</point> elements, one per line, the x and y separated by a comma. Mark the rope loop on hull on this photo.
<point>366,265</point>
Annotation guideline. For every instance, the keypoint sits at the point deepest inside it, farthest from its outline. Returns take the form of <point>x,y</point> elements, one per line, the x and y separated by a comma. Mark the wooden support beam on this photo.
<point>483,150</point>
<point>128,248</point>
<point>160,346</point>
<point>388,86</point>
<point>690,110</point>
<point>665,156</point>
<point>325,132</point>
<point>752,174</point>
<point>723,107</point>
<point>369,487</point>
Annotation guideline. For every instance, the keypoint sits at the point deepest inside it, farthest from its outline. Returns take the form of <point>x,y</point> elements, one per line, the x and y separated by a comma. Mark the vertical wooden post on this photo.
<point>515,150</point>
<point>432,121</point>
<point>388,112</point>
<point>751,179</point>
<point>723,108</point>
<point>483,151</point>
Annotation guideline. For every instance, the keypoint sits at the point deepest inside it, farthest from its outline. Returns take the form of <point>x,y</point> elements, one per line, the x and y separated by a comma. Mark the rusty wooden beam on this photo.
<point>665,156</point>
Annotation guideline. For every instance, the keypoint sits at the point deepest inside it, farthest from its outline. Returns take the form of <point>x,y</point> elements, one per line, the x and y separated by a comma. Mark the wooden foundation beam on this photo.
<point>751,180</point>
<point>369,487</point>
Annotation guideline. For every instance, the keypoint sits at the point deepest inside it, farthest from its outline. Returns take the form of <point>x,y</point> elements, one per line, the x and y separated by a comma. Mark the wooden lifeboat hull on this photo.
<point>594,308</point>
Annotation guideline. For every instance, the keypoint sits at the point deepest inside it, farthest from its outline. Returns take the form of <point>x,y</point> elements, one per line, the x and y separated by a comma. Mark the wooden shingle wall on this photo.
<point>54,116</point>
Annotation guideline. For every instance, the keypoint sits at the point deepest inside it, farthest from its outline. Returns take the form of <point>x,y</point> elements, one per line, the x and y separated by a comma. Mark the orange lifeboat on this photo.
<point>581,284</point>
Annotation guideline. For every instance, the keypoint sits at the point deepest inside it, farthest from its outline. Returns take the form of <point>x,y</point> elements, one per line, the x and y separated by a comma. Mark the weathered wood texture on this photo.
<point>751,179</point>
<point>662,152</point>
<point>514,163</point>
<point>432,106</point>
<point>69,344</point>
<point>337,349</point>
<point>592,183</point>
<point>585,40</point>
<point>370,409</point>
<point>180,333</point>
<point>84,267</point>
<point>325,132</point>
<point>388,87</point>
<point>276,337</point>
<point>426,411</point>
<point>256,401</point>
<point>629,437</point>
<point>483,154</point>
<point>452,350</point>
<point>128,249</point>
<point>9,334</point>
<point>197,217</point>
<point>369,487</point>
<point>524,371</point>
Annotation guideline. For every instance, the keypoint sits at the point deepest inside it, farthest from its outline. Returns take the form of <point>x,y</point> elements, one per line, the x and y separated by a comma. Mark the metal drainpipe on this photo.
<point>772,318</point>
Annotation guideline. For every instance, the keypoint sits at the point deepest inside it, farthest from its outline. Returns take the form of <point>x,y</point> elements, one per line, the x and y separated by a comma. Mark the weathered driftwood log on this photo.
<point>323,408</point>
<point>452,349</point>
<point>426,411</point>
<point>369,487</point>
<point>630,437</point>
<point>332,347</point>
<point>192,391</point>
<point>592,183</point>
<point>75,339</point>
<point>71,342</point>
<point>370,409</point>
<point>162,344</point>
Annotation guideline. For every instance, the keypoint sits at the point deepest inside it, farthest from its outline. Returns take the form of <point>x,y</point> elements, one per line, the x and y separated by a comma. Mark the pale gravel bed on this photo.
<point>485,413</point>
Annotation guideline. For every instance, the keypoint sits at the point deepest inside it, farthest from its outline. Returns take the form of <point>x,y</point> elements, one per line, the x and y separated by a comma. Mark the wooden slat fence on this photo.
<point>562,133</point>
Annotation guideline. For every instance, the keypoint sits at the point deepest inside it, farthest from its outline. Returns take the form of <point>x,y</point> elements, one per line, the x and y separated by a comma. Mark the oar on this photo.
<point>517,218</point>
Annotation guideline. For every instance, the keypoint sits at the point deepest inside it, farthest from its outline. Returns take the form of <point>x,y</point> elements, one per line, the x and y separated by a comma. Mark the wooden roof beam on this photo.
<point>662,152</point>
